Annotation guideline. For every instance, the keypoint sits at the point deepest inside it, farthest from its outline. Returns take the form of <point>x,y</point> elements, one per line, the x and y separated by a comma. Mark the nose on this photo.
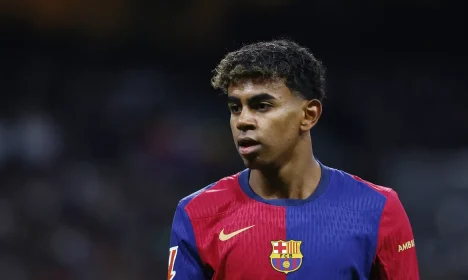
<point>245,121</point>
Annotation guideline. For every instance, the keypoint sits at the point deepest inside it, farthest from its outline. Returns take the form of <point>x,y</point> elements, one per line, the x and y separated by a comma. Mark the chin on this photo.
<point>254,162</point>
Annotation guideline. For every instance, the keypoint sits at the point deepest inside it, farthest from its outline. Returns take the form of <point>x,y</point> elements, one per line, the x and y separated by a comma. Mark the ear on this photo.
<point>312,111</point>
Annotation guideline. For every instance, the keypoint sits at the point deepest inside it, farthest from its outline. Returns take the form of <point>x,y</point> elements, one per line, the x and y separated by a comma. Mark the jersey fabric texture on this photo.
<point>347,229</point>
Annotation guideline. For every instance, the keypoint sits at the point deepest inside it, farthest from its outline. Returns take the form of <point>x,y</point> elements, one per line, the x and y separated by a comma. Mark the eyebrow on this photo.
<point>254,99</point>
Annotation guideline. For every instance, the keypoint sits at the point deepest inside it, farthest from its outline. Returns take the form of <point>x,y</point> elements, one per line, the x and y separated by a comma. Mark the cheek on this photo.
<point>285,128</point>
<point>233,126</point>
<point>290,122</point>
<point>290,128</point>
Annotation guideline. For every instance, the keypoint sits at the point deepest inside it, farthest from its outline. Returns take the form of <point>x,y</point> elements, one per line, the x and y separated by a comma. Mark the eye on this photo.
<point>235,109</point>
<point>262,107</point>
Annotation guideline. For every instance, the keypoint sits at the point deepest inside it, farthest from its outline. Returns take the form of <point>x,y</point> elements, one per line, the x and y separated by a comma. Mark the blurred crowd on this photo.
<point>93,161</point>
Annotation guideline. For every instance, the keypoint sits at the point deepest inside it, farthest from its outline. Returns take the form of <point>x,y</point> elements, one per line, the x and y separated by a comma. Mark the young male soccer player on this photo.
<point>287,216</point>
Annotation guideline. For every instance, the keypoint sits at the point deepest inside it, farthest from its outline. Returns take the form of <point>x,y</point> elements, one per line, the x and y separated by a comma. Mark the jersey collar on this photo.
<point>322,186</point>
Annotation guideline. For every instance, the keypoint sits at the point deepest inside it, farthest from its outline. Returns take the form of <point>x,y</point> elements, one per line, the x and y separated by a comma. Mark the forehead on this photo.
<point>249,88</point>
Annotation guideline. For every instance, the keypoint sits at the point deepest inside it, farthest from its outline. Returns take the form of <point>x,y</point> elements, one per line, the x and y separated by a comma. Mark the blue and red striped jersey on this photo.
<point>347,229</point>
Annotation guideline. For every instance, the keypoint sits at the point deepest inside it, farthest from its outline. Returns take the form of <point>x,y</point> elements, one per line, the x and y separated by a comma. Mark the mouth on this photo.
<point>248,146</point>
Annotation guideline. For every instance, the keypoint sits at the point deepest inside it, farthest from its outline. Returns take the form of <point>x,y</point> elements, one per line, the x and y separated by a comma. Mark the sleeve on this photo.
<point>395,257</point>
<point>184,260</point>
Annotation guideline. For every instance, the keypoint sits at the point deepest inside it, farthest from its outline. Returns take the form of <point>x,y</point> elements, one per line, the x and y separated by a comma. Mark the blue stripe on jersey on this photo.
<point>337,242</point>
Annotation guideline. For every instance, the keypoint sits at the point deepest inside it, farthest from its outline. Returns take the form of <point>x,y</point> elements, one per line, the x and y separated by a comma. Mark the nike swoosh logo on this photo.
<point>224,237</point>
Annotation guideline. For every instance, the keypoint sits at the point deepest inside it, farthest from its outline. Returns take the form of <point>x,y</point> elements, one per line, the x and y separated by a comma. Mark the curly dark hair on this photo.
<point>279,59</point>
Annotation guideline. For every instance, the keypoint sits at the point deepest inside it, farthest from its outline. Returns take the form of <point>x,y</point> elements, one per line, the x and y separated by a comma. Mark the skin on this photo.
<point>282,165</point>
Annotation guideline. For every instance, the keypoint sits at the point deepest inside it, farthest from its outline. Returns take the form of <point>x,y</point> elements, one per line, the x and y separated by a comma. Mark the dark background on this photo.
<point>107,119</point>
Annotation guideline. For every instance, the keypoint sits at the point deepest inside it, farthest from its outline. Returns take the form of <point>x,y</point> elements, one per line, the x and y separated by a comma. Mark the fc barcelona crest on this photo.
<point>286,256</point>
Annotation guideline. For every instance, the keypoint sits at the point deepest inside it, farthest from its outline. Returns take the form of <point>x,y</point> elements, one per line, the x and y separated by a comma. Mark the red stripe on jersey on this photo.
<point>224,210</point>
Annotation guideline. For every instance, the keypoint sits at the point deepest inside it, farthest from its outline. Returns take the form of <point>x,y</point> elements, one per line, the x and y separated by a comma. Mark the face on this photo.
<point>267,120</point>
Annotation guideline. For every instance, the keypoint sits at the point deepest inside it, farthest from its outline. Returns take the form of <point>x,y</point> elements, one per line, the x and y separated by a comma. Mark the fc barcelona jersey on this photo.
<point>347,229</point>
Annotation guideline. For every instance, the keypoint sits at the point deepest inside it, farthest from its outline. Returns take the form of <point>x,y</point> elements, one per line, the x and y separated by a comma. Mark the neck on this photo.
<point>297,178</point>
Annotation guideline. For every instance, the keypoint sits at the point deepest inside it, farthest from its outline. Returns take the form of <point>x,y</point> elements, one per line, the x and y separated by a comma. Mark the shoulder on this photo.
<point>216,198</point>
<point>351,191</point>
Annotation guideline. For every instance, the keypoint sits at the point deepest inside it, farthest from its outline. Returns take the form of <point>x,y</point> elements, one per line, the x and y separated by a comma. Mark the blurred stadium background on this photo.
<point>107,119</point>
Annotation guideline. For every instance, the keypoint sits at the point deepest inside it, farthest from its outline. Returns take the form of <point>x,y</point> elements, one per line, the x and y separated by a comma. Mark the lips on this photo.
<point>248,145</point>
<point>246,142</point>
